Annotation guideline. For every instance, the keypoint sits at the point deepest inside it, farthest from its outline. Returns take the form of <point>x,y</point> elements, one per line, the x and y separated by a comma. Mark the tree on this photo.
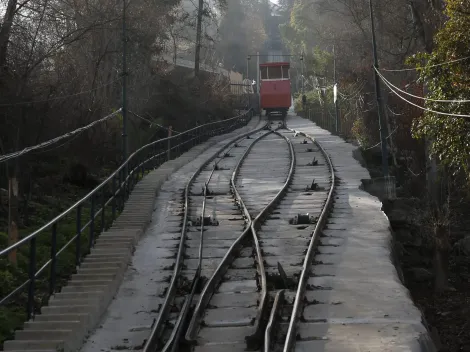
<point>242,32</point>
<point>450,81</point>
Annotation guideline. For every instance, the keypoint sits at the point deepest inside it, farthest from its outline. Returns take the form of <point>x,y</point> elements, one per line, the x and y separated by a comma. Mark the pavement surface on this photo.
<point>357,302</point>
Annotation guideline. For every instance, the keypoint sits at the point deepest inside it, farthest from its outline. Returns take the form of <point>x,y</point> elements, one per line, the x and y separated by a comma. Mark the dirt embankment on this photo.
<point>447,313</point>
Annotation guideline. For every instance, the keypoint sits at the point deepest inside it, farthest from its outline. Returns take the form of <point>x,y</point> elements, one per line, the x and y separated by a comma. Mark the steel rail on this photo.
<point>152,341</point>
<point>291,332</point>
<point>230,255</point>
<point>221,268</point>
<point>259,330</point>
<point>278,300</point>
<point>172,344</point>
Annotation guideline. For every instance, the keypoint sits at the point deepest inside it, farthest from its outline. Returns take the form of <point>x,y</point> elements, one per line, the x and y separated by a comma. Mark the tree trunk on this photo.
<point>441,259</point>
<point>5,31</point>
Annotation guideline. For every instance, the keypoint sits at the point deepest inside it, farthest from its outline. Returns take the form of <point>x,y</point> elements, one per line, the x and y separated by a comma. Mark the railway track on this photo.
<point>245,241</point>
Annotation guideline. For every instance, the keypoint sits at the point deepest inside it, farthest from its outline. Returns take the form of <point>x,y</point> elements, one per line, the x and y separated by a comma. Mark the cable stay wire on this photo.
<point>386,138</point>
<point>422,107</point>
<point>152,123</point>
<point>436,65</point>
<point>422,98</point>
<point>26,150</point>
<point>61,97</point>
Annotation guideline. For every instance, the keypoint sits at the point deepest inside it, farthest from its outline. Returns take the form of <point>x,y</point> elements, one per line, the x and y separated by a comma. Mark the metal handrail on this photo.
<point>291,332</point>
<point>114,191</point>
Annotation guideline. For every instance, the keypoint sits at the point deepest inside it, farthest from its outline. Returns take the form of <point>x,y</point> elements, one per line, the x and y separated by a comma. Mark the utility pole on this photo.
<point>125,146</point>
<point>335,91</point>
<point>258,79</point>
<point>383,136</point>
<point>247,65</point>
<point>302,72</point>
<point>197,59</point>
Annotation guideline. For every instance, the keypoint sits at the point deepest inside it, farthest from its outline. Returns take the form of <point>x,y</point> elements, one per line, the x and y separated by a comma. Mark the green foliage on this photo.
<point>13,314</point>
<point>449,136</point>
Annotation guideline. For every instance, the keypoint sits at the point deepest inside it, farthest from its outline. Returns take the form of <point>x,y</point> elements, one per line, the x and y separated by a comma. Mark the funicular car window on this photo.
<point>275,72</point>
<point>285,72</point>
<point>264,73</point>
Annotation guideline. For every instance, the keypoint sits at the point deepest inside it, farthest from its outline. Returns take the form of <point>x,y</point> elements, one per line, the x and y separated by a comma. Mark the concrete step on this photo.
<point>102,257</point>
<point>82,317</point>
<point>89,282</point>
<point>107,250</point>
<point>115,240</point>
<point>84,288</point>
<point>42,334</point>
<point>52,325</point>
<point>101,269</point>
<point>115,243</point>
<point>76,295</point>
<point>97,264</point>
<point>69,309</point>
<point>95,276</point>
<point>28,345</point>
<point>35,351</point>
<point>86,300</point>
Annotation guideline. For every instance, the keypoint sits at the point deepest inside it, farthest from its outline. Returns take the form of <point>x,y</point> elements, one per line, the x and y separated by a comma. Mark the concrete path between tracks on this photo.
<point>128,319</point>
<point>360,302</point>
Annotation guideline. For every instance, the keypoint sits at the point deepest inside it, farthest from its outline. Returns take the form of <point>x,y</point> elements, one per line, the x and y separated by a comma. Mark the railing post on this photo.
<point>53,259</point>
<point>126,180</point>
<point>169,144</point>
<point>114,197</point>
<point>32,277</point>
<point>103,207</point>
<point>121,190</point>
<point>79,235</point>
<point>91,240</point>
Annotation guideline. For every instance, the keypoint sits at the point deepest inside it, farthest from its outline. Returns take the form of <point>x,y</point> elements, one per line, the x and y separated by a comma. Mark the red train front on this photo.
<point>275,89</point>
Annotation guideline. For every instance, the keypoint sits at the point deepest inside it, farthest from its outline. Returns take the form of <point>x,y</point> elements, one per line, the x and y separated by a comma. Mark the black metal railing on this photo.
<point>326,118</point>
<point>90,216</point>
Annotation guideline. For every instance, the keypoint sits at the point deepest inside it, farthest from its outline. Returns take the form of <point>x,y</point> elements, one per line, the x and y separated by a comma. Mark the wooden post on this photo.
<point>169,144</point>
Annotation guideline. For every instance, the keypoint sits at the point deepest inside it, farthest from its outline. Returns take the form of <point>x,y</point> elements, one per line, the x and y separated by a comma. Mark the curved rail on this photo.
<point>259,331</point>
<point>277,305</point>
<point>152,341</point>
<point>221,268</point>
<point>230,255</point>
<point>291,332</point>
<point>177,330</point>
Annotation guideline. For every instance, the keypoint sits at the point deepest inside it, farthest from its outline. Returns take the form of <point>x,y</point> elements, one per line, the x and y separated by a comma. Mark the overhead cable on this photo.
<point>422,107</point>
<point>436,65</point>
<point>26,150</point>
<point>422,98</point>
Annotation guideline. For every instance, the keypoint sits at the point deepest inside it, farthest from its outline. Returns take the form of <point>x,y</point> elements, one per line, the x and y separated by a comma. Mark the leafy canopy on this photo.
<point>449,136</point>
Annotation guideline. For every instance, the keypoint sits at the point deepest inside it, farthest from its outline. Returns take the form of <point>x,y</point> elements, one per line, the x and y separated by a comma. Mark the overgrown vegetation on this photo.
<point>417,42</point>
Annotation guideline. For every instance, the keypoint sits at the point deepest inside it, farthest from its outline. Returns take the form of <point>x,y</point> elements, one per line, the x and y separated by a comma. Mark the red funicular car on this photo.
<point>275,90</point>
